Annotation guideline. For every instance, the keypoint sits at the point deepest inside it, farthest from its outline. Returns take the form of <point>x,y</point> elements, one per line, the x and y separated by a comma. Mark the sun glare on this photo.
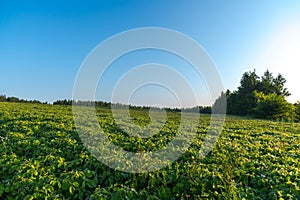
<point>281,54</point>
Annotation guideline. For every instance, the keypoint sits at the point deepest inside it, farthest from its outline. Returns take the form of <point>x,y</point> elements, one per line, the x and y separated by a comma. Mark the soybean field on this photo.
<point>43,157</point>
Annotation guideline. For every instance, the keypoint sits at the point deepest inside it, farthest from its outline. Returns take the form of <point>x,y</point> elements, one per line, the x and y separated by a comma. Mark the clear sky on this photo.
<point>43,43</point>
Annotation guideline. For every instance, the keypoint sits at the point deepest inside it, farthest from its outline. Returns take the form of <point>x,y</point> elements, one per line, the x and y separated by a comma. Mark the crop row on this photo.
<point>42,157</point>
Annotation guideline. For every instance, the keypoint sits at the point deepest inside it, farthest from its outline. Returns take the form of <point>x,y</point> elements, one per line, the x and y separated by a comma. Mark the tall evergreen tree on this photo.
<point>271,85</point>
<point>244,100</point>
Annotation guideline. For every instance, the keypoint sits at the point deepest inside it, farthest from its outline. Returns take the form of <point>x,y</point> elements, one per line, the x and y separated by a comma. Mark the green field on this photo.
<point>42,157</point>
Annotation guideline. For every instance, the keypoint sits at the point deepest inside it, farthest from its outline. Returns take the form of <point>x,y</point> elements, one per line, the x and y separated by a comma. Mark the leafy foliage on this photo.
<point>3,98</point>
<point>271,85</point>
<point>272,106</point>
<point>297,112</point>
<point>245,93</point>
<point>244,100</point>
<point>42,157</point>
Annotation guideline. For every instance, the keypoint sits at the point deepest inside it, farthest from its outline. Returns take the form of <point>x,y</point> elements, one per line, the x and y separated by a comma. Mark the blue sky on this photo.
<point>43,43</point>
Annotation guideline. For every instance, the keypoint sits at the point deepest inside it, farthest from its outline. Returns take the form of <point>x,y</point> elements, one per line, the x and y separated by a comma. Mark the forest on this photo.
<point>261,97</point>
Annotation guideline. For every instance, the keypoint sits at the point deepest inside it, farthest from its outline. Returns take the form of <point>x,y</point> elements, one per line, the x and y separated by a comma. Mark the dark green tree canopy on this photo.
<point>269,85</point>
<point>244,100</point>
<point>272,106</point>
<point>249,83</point>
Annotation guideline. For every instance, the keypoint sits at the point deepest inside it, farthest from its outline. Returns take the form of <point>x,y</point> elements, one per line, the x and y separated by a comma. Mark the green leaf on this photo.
<point>71,189</point>
<point>1,190</point>
<point>76,184</point>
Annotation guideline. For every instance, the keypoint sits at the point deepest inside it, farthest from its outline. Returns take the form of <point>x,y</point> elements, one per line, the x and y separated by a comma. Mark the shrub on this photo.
<point>273,106</point>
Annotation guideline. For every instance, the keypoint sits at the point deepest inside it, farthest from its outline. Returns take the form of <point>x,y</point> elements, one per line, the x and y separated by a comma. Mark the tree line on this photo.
<point>3,98</point>
<point>261,97</point>
<point>103,104</point>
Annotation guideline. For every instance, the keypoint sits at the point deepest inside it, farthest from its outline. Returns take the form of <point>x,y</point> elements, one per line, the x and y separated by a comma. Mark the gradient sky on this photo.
<point>43,43</point>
